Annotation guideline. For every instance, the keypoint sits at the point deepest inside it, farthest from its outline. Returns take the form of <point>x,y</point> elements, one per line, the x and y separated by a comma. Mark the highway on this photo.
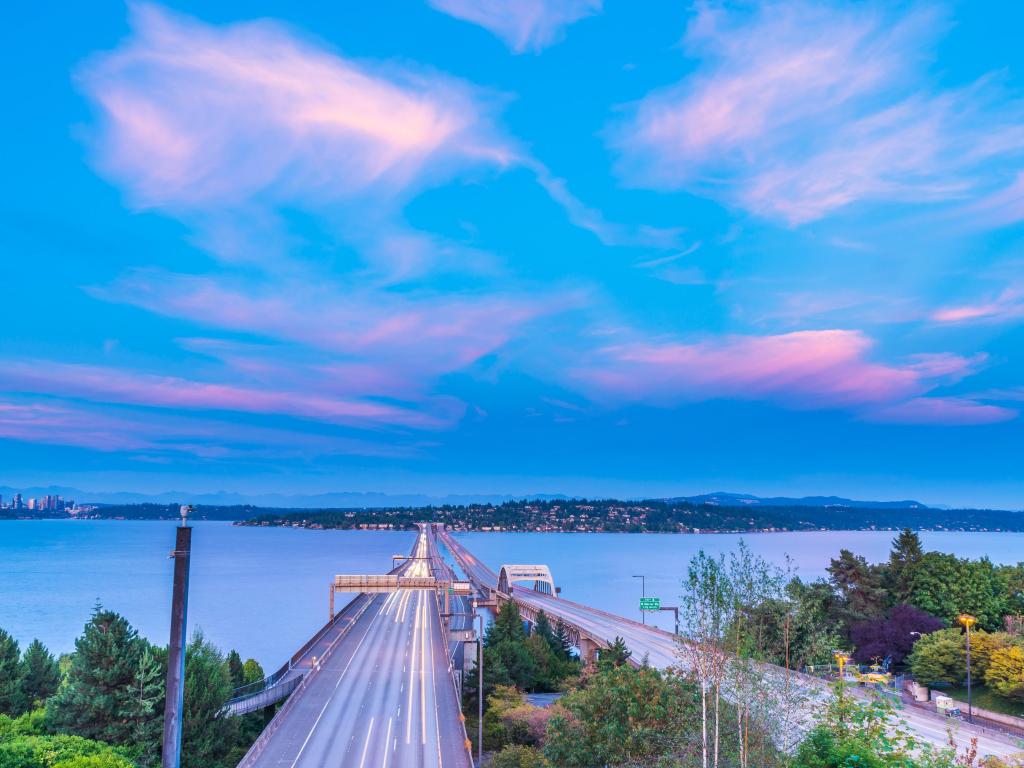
<point>382,697</point>
<point>660,647</point>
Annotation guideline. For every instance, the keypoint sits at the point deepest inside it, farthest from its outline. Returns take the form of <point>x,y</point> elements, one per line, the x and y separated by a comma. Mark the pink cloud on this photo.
<point>110,385</point>
<point>522,24</point>
<point>805,369</point>
<point>153,436</point>
<point>1008,305</point>
<point>196,115</point>
<point>942,411</point>
<point>798,110</point>
<point>422,334</point>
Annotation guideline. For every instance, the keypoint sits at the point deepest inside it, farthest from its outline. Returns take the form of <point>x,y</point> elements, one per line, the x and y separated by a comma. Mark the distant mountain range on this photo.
<point>340,500</point>
<point>724,499</point>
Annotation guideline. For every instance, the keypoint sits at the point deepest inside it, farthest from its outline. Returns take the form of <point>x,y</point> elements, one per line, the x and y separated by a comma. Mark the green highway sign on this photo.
<point>650,603</point>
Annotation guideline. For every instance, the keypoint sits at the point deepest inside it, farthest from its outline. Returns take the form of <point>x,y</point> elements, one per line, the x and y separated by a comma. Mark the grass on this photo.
<point>986,699</point>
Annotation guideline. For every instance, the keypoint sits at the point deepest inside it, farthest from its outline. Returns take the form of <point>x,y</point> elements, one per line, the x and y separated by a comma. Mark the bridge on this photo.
<point>374,687</point>
<point>592,629</point>
<point>378,684</point>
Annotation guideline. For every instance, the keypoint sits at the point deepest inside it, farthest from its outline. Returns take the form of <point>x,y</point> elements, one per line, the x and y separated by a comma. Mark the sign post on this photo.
<point>650,603</point>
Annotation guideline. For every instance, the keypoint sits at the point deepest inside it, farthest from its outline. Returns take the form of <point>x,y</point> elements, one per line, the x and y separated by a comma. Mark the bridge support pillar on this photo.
<point>588,651</point>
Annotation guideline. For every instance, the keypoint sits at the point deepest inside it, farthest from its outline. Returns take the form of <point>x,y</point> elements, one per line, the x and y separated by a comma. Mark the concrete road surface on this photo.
<point>384,697</point>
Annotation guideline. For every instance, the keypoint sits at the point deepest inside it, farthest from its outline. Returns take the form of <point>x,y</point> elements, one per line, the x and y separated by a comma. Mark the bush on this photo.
<point>1005,673</point>
<point>60,751</point>
<point>518,756</point>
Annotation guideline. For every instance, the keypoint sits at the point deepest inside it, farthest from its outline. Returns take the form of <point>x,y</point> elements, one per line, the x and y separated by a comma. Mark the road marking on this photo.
<point>329,698</point>
<point>423,672</point>
<point>386,740</point>
<point>412,682</point>
<point>366,744</point>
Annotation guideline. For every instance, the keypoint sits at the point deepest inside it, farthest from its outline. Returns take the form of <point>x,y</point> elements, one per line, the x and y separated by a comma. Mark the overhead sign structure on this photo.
<point>461,587</point>
<point>650,603</point>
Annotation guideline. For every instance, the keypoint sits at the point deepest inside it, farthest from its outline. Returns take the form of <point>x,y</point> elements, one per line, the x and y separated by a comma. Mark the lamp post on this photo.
<point>643,593</point>
<point>968,621</point>
<point>479,688</point>
<point>170,755</point>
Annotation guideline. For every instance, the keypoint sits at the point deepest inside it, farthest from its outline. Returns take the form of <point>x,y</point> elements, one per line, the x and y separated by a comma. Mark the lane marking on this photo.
<point>386,740</point>
<point>366,744</point>
<point>333,692</point>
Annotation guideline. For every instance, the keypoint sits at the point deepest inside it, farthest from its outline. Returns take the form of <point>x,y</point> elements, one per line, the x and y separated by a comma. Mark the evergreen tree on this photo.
<point>615,655</point>
<point>10,689</point>
<point>236,669</point>
<point>206,738</point>
<point>562,639</point>
<point>543,629</point>
<point>40,675</point>
<point>508,625</point>
<point>99,699</point>
<point>906,555</point>
<point>148,695</point>
<point>860,588</point>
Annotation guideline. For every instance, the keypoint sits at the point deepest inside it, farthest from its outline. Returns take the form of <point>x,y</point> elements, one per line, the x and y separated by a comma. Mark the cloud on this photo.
<point>942,411</point>
<point>422,334</point>
<point>797,110</point>
<point>522,24</point>
<point>802,370</point>
<point>111,385</point>
<point>1007,305</point>
<point>593,220</point>
<point>196,115</point>
<point>156,436</point>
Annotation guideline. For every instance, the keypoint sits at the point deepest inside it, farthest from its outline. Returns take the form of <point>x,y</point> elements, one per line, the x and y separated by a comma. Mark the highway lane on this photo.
<point>660,647</point>
<point>383,698</point>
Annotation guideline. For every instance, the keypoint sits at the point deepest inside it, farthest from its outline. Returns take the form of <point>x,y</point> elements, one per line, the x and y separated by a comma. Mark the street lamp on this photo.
<point>479,688</point>
<point>643,593</point>
<point>968,621</point>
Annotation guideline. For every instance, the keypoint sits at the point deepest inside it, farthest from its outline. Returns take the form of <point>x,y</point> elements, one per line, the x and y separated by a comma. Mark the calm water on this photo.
<point>264,590</point>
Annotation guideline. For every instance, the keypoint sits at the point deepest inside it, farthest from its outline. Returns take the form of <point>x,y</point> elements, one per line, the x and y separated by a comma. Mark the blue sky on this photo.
<point>515,247</point>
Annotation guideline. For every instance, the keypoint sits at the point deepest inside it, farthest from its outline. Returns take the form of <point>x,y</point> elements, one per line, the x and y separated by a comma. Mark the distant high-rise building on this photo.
<point>17,501</point>
<point>31,503</point>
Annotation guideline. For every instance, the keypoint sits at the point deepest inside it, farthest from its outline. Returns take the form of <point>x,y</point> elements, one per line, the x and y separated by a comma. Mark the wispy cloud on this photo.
<point>524,25</point>
<point>159,436</point>
<point>195,115</point>
<point>110,385</point>
<point>798,110</point>
<point>425,334</point>
<point>942,411</point>
<point>1006,305</point>
<point>594,221</point>
<point>802,370</point>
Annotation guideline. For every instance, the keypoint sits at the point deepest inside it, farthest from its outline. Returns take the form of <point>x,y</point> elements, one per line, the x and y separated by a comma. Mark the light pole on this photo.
<point>968,621</point>
<point>643,594</point>
<point>479,688</point>
<point>170,755</point>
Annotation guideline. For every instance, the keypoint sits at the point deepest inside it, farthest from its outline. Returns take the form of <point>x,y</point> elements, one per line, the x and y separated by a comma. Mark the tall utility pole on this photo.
<point>968,621</point>
<point>171,754</point>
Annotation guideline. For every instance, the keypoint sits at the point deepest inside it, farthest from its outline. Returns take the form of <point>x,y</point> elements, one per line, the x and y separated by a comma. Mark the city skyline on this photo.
<point>772,249</point>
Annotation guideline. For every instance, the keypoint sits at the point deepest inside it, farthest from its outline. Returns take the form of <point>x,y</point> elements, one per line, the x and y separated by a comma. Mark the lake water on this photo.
<point>264,590</point>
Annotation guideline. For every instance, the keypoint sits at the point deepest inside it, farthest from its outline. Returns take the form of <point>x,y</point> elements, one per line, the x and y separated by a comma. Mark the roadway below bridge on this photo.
<point>382,696</point>
<point>597,628</point>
